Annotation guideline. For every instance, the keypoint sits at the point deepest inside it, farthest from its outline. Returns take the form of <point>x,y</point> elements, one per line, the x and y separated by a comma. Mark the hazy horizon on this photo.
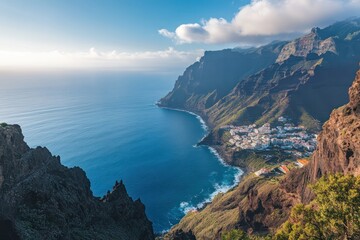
<point>148,36</point>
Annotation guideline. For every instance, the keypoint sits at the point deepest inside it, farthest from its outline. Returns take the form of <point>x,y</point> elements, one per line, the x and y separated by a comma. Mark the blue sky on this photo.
<point>108,24</point>
<point>149,34</point>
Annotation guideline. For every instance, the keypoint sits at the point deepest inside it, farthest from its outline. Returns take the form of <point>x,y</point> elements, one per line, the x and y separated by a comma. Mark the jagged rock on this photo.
<point>310,43</point>
<point>42,199</point>
<point>339,142</point>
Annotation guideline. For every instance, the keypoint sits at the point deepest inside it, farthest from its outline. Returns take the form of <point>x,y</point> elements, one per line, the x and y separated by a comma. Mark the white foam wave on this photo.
<point>186,207</point>
<point>202,122</point>
<point>217,155</point>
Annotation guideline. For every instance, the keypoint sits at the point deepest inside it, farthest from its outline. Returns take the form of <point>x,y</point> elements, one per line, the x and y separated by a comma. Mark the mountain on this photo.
<point>207,81</point>
<point>303,80</point>
<point>42,199</point>
<point>261,204</point>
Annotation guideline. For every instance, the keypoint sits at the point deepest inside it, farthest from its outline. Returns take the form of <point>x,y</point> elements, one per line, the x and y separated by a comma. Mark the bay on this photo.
<point>109,125</point>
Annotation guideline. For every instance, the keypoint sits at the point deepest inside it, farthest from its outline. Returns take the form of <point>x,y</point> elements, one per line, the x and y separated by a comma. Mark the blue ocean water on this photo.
<point>108,124</point>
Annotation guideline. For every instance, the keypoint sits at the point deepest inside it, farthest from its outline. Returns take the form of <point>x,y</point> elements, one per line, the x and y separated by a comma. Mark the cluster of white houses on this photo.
<point>285,136</point>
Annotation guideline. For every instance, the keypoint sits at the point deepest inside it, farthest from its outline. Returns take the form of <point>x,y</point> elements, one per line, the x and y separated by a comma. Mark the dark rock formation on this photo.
<point>42,199</point>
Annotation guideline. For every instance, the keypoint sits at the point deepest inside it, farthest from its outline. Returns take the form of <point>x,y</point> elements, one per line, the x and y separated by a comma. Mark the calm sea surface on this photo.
<point>108,124</point>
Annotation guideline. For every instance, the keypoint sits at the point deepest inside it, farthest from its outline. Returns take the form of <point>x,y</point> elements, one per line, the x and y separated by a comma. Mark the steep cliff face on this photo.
<point>310,43</point>
<point>308,78</point>
<point>42,199</point>
<point>260,204</point>
<point>338,149</point>
<point>339,142</point>
<point>207,81</point>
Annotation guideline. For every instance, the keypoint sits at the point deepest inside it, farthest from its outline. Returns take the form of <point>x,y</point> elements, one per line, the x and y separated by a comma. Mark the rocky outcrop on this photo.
<point>42,199</point>
<point>310,43</point>
<point>338,149</point>
<point>339,142</point>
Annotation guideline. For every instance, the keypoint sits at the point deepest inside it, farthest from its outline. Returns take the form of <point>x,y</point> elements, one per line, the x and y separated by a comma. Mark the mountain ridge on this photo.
<point>283,84</point>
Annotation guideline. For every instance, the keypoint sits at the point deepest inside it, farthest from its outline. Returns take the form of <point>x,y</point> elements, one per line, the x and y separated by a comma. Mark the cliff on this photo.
<point>339,142</point>
<point>207,81</point>
<point>261,204</point>
<point>303,80</point>
<point>338,149</point>
<point>42,199</point>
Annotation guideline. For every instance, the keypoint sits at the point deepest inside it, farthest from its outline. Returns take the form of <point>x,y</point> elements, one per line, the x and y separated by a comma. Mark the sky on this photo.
<point>149,35</point>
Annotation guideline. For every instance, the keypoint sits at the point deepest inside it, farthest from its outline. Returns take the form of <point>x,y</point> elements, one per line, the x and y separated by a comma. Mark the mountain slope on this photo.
<point>309,77</point>
<point>42,199</point>
<point>217,72</point>
<point>259,204</point>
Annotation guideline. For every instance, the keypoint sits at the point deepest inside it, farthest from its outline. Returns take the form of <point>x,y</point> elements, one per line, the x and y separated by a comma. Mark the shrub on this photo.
<point>334,213</point>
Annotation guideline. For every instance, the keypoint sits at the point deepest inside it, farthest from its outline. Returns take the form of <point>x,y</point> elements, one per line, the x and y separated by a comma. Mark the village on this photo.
<point>293,139</point>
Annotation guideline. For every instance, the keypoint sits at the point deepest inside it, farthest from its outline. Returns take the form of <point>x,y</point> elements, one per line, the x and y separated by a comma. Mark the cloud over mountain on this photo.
<point>264,20</point>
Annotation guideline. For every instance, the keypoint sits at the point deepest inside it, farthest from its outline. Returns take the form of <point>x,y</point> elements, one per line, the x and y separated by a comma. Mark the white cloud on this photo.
<point>166,33</point>
<point>264,20</point>
<point>164,60</point>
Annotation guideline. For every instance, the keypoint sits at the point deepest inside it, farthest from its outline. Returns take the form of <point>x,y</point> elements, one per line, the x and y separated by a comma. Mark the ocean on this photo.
<point>109,125</point>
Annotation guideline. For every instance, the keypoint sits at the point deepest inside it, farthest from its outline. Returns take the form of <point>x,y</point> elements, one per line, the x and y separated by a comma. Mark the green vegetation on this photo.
<point>3,124</point>
<point>334,214</point>
<point>308,121</point>
<point>224,211</point>
<point>235,234</point>
<point>254,161</point>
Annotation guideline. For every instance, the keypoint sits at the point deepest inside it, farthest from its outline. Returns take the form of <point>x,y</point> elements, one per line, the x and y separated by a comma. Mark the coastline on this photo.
<point>201,120</point>
<point>219,188</point>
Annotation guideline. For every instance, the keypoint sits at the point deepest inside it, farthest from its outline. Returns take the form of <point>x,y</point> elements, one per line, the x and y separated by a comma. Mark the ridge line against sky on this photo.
<point>134,35</point>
